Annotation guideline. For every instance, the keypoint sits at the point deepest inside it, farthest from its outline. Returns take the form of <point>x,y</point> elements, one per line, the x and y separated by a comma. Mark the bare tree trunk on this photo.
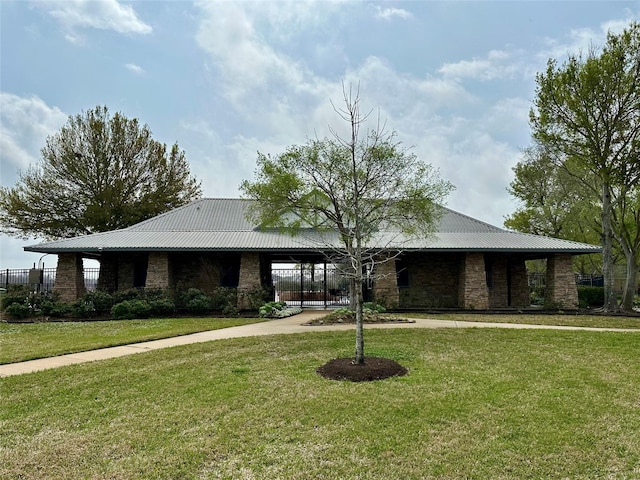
<point>631,282</point>
<point>610,302</point>
<point>359,358</point>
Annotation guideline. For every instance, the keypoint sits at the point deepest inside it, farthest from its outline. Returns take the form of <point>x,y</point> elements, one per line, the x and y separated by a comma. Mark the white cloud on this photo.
<point>132,67</point>
<point>98,14</point>
<point>495,66</point>
<point>389,13</point>
<point>283,102</point>
<point>25,123</point>
<point>579,41</point>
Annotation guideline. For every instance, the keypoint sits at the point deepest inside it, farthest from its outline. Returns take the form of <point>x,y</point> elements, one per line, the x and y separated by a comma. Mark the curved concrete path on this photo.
<point>271,327</point>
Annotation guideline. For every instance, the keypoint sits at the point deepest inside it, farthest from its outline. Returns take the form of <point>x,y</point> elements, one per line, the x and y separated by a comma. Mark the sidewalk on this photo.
<point>271,327</point>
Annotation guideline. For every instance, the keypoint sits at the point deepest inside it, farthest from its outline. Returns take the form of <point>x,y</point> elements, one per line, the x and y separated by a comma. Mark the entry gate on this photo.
<point>310,285</point>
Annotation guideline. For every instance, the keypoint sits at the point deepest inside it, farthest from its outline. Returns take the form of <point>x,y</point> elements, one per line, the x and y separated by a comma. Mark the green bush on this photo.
<point>15,294</point>
<point>224,299</point>
<point>18,310</point>
<point>130,309</point>
<point>21,302</point>
<point>161,307</point>
<point>269,309</point>
<point>196,301</point>
<point>257,297</point>
<point>277,310</point>
<point>49,305</point>
<point>590,297</point>
<point>370,307</point>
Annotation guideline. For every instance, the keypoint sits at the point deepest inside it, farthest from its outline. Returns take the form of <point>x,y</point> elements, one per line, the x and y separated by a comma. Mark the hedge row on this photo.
<point>20,302</point>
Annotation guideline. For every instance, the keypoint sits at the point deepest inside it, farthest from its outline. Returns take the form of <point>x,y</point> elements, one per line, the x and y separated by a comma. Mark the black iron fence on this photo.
<point>306,286</point>
<point>42,279</point>
<point>311,285</point>
<point>538,280</point>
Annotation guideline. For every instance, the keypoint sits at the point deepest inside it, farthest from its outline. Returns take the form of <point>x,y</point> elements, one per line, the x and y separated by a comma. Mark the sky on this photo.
<point>454,79</point>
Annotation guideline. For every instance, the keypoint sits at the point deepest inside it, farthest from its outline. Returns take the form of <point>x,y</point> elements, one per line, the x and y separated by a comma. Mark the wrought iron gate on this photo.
<point>310,285</point>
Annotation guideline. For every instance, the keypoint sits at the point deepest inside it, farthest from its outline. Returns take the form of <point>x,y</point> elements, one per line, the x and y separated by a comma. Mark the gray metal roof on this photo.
<point>221,225</point>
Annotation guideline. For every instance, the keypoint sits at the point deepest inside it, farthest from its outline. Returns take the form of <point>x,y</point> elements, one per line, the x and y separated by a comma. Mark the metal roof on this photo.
<point>221,225</point>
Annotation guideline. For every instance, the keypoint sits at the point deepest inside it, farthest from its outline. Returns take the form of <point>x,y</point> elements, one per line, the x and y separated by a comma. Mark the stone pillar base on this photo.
<point>473,291</point>
<point>69,284</point>
<point>560,290</point>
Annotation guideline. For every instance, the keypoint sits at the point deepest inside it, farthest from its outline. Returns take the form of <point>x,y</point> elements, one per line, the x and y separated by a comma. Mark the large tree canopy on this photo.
<point>587,118</point>
<point>98,173</point>
<point>356,186</point>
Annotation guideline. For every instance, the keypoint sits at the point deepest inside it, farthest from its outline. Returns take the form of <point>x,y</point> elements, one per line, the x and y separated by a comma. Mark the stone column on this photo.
<point>499,289</point>
<point>520,296</point>
<point>249,278</point>
<point>108,278</point>
<point>560,289</point>
<point>158,275</point>
<point>385,289</point>
<point>69,282</point>
<point>473,292</point>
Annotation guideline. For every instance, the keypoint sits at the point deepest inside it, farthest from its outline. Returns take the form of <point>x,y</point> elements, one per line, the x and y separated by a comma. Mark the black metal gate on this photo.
<point>310,285</point>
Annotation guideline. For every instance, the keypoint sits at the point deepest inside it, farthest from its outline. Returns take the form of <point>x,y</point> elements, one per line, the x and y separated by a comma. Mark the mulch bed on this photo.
<point>374,368</point>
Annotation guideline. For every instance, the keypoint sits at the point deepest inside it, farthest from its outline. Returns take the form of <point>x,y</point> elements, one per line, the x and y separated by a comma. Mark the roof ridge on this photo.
<point>172,211</point>
<point>475,220</point>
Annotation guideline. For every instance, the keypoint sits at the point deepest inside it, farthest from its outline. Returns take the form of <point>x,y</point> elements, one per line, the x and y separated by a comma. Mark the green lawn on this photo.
<point>26,341</point>
<point>477,403</point>
<point>567,319</point>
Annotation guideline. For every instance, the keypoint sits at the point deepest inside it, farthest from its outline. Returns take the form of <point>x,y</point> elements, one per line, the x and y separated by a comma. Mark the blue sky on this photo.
<point>224,80</point>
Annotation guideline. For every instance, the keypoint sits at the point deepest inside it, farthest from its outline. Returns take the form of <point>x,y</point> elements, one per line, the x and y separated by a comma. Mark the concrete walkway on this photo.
<point>271,327</point>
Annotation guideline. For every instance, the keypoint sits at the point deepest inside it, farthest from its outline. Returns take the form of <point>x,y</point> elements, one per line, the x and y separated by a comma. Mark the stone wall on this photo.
<point>69,284</point>
<point>496,266</point>
<point>158,273</point>
<point>250,278</point>
<point>385,289</point>
<point>560,290</point>
<point>473,292</point>
<point>520,296</point>
<point>432,280</point>
<point>108,277</point>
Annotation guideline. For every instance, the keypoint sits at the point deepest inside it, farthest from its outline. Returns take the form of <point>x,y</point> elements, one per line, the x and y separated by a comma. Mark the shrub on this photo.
<point>257,297</point>
<point>589,297</point>
<point>15,294</point>
<point>82,308</point>
<point>20,302</point>
<point>269,309</point>
<point>370,307</point>
<point>130,309</point>
<point>277,310</point>
<point>162,306</point>
<point>18,310</point>
<point>224,299</point>
<point>195,301</point>
<point>100,300</point>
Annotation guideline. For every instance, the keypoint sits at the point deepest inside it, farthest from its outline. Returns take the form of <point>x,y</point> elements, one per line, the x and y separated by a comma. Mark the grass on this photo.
<point>477,403</point>
<point>568,319</point>
<point>27,341</point>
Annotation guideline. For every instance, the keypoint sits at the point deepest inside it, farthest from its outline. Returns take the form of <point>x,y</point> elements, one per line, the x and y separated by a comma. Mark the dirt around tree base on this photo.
<point>374,368</point>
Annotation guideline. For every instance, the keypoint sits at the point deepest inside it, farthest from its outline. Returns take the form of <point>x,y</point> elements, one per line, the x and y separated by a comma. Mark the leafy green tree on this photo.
<point>98,173</point>
<point>355,192</point>
<point>587,116</point>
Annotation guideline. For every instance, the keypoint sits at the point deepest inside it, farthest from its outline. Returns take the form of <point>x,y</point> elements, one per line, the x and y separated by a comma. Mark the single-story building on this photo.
<point>209,243</point>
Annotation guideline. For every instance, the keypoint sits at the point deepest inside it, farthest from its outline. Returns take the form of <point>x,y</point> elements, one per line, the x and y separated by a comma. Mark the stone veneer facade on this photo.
<point>473,292</point>
<point>250,278</point>
<point>471,280</point>
<point>69,283</point>
<point>561,290</point>
<point>385,290</point>
<point>158,271</point>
